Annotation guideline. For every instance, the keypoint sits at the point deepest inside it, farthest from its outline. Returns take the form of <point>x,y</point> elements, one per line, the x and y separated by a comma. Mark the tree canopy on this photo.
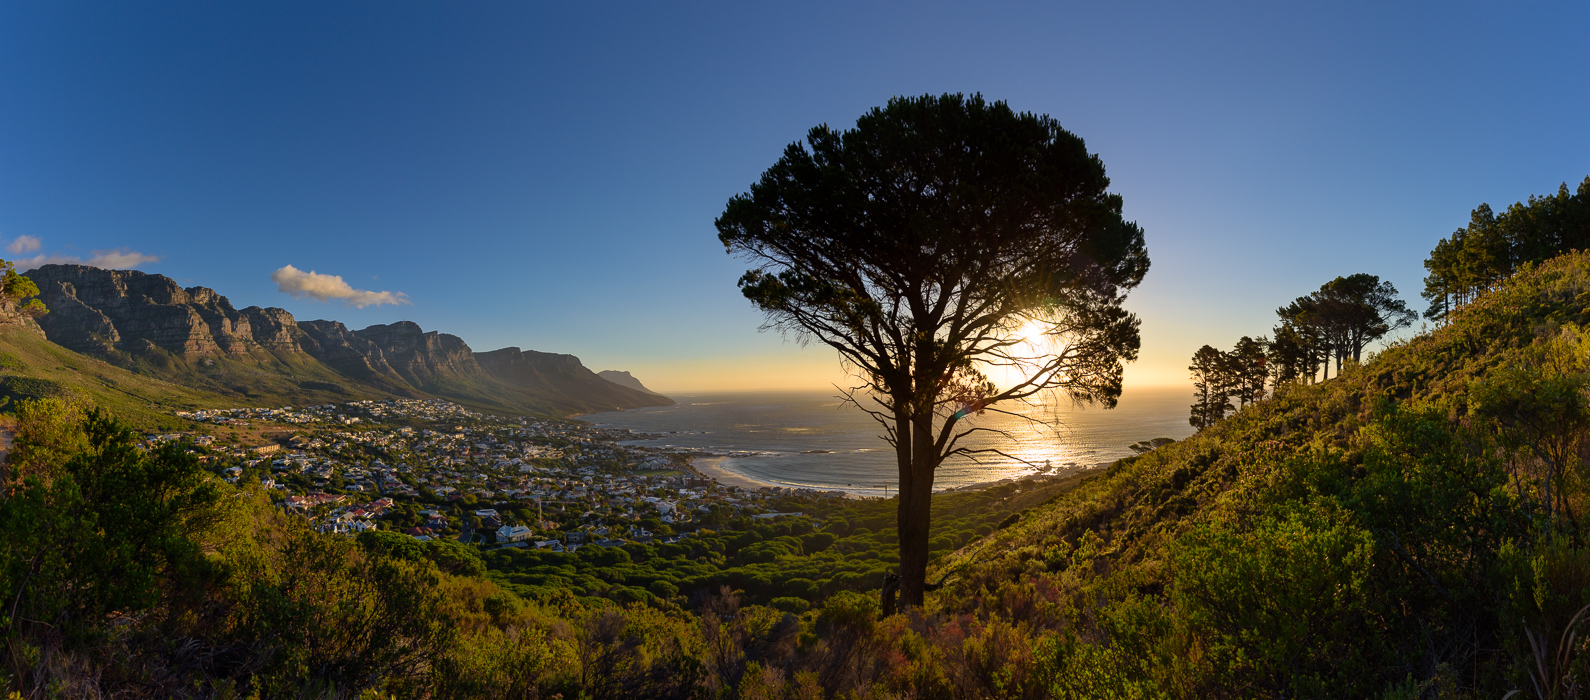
<point>1211,400</point>
<point>14,288</point>
<point>916,244</point>
<point>1491,247</point>
<point>1344,316</point>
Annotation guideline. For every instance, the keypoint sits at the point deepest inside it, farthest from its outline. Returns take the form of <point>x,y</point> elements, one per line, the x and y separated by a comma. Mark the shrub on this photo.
<point>794,606</point>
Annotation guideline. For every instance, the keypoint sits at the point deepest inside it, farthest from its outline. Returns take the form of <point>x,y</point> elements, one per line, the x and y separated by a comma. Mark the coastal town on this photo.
<point>433,469</point>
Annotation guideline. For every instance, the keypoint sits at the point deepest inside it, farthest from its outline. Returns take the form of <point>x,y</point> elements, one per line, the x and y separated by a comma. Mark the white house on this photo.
<point>513,533</point>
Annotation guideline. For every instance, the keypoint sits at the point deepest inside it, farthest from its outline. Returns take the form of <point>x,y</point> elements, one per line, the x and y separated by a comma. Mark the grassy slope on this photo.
<point>33,366</point>
<point>153,385</point>
<point>264,378</point>
<point>280,378</point>
<point>543,382</point>
<point>1143,503</point>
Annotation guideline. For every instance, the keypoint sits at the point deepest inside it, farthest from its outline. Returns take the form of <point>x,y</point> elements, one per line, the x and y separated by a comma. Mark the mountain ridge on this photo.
<point>624,378</point>
<point>195,337</point>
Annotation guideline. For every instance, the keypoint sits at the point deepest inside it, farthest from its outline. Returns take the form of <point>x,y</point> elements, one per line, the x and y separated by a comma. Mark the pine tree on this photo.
<point>1248,369</point>
<point>1211,382</point>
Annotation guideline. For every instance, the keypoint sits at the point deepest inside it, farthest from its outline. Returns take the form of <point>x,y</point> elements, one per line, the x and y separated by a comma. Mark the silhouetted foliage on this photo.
<point>917,244</point>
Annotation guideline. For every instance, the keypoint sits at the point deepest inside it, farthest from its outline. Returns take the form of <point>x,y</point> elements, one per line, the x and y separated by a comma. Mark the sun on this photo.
<point>1031,331</point>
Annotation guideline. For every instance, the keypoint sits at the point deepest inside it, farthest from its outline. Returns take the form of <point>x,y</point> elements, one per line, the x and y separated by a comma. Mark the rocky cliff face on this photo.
<point>99,311</point>
<point>123,315</point>
<point>423,358</point>
<point>273,328</point>
<point>332,343</point>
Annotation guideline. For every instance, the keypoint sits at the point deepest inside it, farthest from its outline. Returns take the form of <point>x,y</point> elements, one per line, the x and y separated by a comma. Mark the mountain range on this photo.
<point>194,338</point>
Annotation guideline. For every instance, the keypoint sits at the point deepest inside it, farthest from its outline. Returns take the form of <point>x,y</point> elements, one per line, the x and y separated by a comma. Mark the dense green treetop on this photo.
<point>1492,246</point>
<point>14,288</point>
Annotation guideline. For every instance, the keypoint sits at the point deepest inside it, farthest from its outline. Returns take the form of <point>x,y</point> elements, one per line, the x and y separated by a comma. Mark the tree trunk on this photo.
<point>904,443</point>
<point>915,512</point>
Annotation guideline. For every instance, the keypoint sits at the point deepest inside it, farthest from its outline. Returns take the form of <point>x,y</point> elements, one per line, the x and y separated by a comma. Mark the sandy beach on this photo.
<point>710,468</point>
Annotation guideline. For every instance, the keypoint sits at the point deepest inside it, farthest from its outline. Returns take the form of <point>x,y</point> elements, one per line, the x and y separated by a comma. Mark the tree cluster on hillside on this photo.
<point>1412,529</point>
<point>1492,246</point>
<point>1337,321</point>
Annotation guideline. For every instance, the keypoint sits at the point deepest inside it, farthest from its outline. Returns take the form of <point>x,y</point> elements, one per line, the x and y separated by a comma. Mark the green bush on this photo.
<point>793,606</point>
<point>663,589</point>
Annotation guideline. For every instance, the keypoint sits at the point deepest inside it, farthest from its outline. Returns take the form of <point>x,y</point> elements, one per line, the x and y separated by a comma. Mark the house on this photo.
<point>513,533</point>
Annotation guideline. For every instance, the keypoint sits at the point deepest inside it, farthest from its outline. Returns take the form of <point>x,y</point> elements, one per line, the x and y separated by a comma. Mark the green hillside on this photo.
<point>32,367</point>
<point>1336,540</point>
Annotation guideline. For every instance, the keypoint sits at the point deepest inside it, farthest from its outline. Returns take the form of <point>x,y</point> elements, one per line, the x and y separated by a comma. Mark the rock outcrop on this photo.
<point>336,346</point>
<point>623,378</point>
<point>273,328</point>
<point>101,311</point>
<point>423,358</point>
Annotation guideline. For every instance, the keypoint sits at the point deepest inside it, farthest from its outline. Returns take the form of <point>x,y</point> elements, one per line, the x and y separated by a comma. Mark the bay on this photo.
<point>813,440</point>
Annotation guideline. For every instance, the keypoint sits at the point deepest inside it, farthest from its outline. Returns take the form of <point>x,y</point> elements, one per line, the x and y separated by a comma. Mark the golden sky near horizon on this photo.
<point>816,367</point>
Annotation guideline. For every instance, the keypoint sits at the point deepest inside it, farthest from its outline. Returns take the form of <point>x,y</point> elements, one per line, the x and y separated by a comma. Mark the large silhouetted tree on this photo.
<point>916,245</point>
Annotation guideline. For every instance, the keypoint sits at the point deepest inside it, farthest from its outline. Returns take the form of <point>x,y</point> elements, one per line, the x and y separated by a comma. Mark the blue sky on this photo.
<point>546,174</point>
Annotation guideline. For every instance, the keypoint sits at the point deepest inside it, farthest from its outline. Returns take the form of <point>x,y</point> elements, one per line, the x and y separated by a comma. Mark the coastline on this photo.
<point>711,468</point>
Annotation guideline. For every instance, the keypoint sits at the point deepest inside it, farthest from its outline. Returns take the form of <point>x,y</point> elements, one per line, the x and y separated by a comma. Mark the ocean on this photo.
<point>811,440</point>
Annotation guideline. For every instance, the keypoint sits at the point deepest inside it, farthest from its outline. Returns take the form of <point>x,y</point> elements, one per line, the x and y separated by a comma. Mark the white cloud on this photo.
<point>118,259</point>
<point>24,244</point>
<point>314,285</point>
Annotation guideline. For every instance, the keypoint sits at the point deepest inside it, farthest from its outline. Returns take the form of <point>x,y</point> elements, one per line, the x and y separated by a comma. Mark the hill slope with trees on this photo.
<point>1413,524</point>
